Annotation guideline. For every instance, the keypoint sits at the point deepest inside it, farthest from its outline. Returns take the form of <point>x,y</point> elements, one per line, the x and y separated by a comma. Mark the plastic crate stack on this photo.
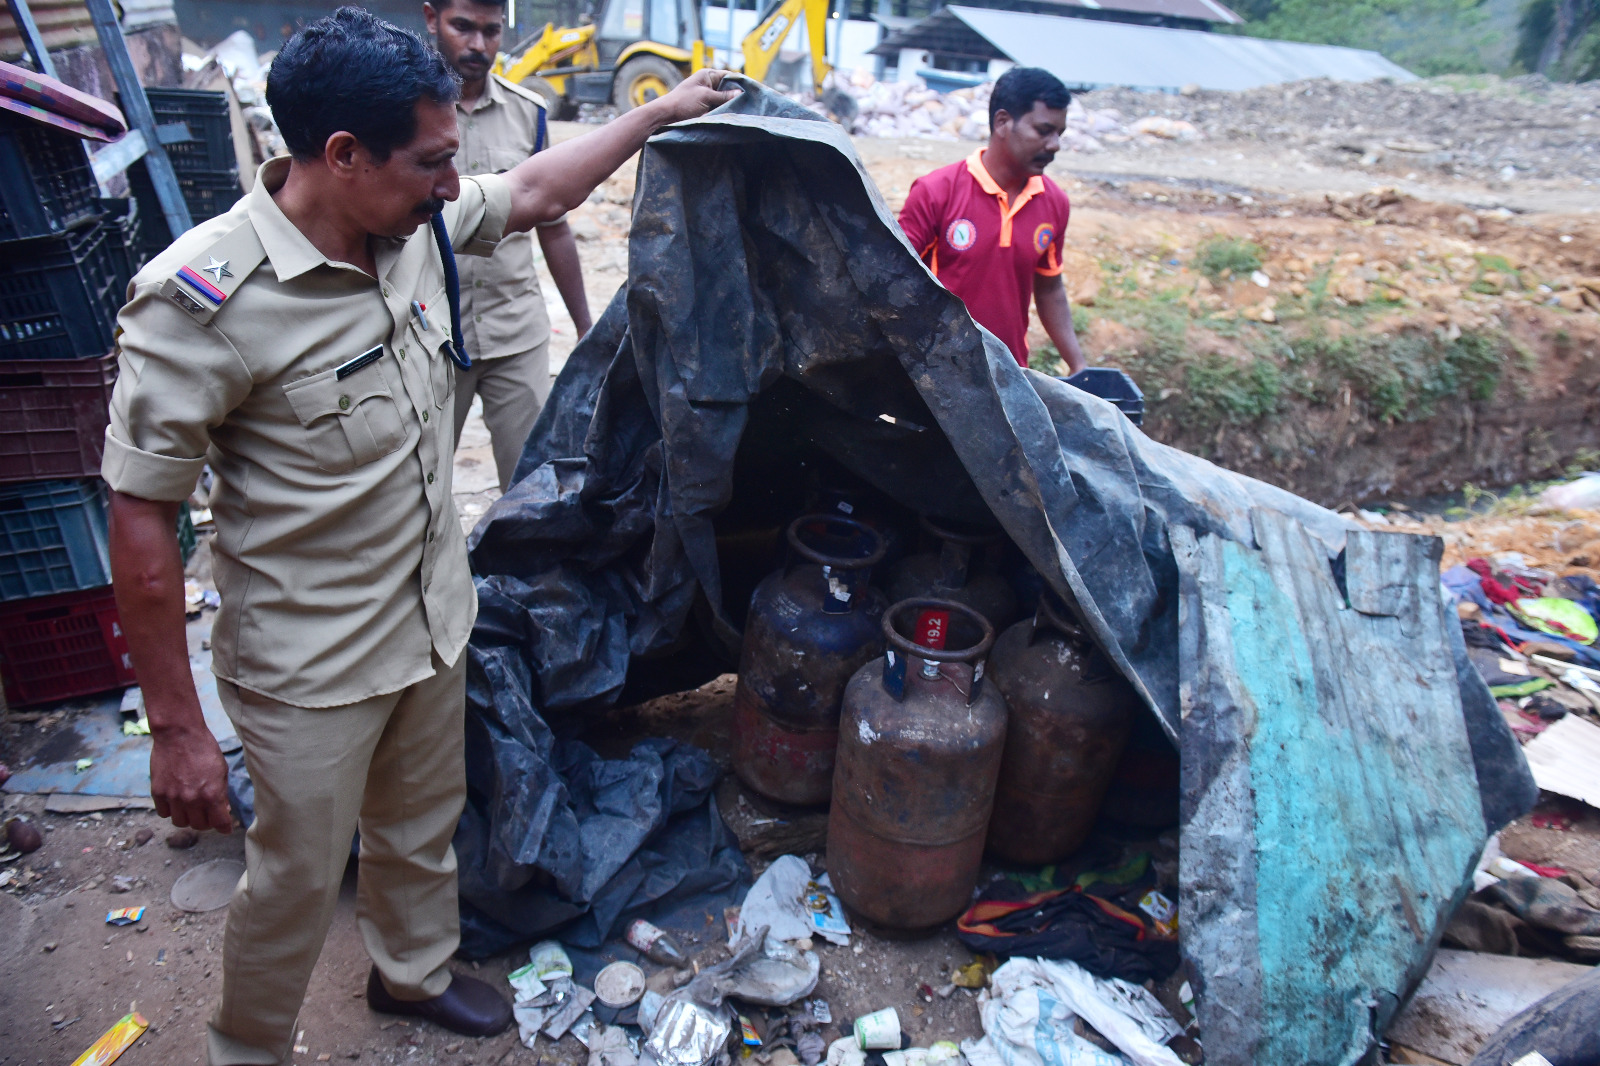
<point>66,257</point>
<point>207,168</point>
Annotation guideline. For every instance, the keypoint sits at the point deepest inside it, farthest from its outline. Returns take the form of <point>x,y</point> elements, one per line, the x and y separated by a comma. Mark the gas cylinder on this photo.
<point>920,742</point>
<point>1071,713</point>
<point>958,571</point>
<point>810,626</point>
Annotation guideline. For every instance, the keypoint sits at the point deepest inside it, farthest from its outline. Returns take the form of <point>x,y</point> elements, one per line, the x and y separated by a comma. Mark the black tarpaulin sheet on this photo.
<point>777,333</point>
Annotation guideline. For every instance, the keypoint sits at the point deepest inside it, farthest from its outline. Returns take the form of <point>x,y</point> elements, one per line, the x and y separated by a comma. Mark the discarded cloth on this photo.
<point>1070,924</point>
<point>1549,904</point>
<point>1028,1011</point>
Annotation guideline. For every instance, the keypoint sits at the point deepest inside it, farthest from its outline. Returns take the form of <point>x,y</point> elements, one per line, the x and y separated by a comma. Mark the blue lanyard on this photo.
<point>452,290</point>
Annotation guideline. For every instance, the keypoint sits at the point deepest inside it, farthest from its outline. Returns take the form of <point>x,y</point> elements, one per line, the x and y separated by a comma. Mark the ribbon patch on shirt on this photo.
<point>202,286</point>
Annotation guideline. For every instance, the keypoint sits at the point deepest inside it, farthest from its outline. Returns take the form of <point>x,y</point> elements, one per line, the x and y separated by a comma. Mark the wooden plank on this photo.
<point>1565,759</point>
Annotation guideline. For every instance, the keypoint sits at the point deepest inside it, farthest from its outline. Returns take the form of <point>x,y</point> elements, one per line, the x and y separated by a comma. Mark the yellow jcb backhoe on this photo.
<point>636,50</point>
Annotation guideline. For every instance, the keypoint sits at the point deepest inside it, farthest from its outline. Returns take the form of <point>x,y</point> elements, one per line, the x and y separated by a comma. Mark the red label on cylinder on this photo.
<point>931,629</point>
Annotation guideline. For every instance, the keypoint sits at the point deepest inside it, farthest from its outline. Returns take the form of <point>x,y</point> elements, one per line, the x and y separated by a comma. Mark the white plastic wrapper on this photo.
<point>776,901</point>
<point>1029,1008</point>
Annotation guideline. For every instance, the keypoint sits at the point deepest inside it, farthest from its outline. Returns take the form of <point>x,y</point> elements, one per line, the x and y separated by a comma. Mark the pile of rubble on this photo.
<point>1485,128</point>
<point>911,109</point>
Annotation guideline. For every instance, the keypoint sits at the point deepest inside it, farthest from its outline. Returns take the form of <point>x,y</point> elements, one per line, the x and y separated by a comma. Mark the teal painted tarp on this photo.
<point>1342,762</point>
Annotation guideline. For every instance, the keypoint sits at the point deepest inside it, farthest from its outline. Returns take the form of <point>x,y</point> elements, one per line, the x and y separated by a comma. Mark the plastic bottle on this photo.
<point>655,945</point>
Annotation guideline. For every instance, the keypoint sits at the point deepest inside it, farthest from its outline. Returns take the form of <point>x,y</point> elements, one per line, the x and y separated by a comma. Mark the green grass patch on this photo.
<point>1228,256</point>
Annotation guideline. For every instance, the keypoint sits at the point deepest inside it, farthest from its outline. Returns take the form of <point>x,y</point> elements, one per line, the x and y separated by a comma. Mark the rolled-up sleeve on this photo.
<point>176,381</point>
<point>481,213</point>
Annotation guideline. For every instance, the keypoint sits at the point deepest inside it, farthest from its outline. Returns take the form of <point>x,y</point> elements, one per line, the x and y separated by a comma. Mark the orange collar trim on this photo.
<point>1008,211</point>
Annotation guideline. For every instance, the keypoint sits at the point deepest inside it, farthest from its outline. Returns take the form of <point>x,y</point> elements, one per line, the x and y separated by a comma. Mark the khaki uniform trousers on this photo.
<point>514,389</point>
<point>392,765</point>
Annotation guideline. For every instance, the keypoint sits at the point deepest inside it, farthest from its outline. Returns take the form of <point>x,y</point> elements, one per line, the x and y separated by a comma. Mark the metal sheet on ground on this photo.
<point>1467,996</point>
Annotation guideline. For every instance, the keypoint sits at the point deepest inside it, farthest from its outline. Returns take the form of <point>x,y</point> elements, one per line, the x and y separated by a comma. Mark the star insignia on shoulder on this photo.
<point>217,269</point>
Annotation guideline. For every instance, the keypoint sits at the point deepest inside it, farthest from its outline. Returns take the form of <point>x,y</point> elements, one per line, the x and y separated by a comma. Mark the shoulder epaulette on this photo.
<point>204,284</point>
<point>526,94</point>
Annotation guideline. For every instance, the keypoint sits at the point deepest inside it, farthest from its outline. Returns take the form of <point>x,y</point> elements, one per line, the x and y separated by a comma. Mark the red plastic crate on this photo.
<point>53,416</point>
<point>62,646</point>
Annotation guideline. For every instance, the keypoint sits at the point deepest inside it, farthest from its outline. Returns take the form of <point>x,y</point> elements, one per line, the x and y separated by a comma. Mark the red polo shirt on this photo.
<point>985,249</point>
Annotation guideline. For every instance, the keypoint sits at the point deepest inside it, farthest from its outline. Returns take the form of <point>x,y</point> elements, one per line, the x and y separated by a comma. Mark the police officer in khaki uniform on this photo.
<point>503,320</point>
<point>302,345</point>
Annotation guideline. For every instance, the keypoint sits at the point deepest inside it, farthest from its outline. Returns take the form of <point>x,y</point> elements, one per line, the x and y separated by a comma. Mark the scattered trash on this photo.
<point>686,1033</point>
<point>121,883</point>
<point>776,976</point>
<point>974,974</point>
<point>619,984</point>
<point>124,915</point>
<point>777,901</point>
<point>22,837</point>
<point>846,1051</point>
<point>82,764</point>
<point>611,1046</point>
<point>1162,910</point>
<point>747,1033</point>
<point>878,1030</point>
<point>941,1053</point>
<point>144,836</point>
<point>1029,1009</point>
<point>207,887</point>
<point>656,945</point>
<point>827,912</point>
<point>545,997</point>
<point>113,1042</point>
<point>138,727</point>
<point>180,839</point>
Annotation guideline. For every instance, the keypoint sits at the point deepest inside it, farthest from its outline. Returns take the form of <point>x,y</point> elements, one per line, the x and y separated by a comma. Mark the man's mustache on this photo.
<point>473,59</point>
<point>1045,158</point>
<point>430,207</point>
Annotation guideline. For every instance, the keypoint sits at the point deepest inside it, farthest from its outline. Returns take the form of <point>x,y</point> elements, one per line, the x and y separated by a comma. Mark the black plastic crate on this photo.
<point>1112,384</point>
<point>206,195</point>
<point>46,185</point>
<point>123,220</point>
<point>209,195</point>
<point>206,114</point>
<point>59,296</point>
<point>53,538</point>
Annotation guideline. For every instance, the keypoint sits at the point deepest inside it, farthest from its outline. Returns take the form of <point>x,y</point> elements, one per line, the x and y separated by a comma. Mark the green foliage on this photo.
<point>1429,37</point>
<point>1220,254</point>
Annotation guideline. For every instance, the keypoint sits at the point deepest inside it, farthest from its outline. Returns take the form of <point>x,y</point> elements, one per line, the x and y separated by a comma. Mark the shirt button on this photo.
<point>344,403</point>
<point>425,418</point>
<point>477,318</point>
<point>477,284</point>
<point>402,353</point>
<point>430,479</point>
<point>430,538</point>
<point>386,290</point>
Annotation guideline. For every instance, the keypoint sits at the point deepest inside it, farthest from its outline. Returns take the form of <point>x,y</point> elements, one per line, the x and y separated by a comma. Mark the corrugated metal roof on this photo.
<point>1090,54</point>
<point>1198,10</point>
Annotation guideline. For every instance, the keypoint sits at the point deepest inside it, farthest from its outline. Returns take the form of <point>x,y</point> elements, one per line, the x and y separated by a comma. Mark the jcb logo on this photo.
<point>774,32</point>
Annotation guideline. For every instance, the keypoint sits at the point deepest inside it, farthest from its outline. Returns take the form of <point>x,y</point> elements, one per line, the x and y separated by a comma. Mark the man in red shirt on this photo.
<point>991,228</point>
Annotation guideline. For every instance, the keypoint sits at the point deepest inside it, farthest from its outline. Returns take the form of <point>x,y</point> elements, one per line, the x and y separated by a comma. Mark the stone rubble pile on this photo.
<point>912,109</point>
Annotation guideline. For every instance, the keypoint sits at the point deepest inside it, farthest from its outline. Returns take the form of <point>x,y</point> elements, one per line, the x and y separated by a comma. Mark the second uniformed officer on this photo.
<point>302,344</point>
<point>503,314</point>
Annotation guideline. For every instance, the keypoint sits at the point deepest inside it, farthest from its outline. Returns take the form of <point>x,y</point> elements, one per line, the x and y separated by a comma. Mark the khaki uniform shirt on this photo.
<point>502,309</point>
<point>339,557</point>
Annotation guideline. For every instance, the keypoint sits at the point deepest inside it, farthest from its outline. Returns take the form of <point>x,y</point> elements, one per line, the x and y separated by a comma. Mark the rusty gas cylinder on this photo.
<point>960,570</point>
<point>1071,713</point>
<point>920,743</point>
<point>810,626</point>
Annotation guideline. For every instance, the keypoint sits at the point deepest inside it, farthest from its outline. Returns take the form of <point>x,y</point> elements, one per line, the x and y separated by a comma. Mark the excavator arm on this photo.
<point>760,46</point>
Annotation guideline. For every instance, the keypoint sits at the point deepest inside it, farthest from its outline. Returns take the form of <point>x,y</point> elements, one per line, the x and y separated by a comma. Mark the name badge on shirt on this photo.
<point>365,359</point>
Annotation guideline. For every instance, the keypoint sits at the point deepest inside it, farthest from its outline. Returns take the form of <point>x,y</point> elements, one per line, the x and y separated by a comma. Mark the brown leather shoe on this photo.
<point>469,1006</point>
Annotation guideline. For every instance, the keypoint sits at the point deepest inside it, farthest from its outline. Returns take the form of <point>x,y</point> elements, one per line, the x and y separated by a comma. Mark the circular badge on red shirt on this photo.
<point>961,234</point>
<point>1043,236</point>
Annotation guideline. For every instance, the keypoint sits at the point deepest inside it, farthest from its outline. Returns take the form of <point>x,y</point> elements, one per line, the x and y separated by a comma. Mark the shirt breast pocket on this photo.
<point>348,423</point>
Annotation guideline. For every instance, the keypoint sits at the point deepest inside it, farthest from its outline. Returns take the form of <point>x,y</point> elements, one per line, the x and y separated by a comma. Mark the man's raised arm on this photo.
<point>558,179</point>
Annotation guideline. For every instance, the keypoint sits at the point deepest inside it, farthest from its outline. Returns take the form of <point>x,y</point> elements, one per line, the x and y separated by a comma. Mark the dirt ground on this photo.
<point>1418,257</point>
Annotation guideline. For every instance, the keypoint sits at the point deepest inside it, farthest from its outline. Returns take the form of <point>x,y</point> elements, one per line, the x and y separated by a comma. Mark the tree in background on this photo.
<point>1427,37</point>
<point>1560,39</point>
